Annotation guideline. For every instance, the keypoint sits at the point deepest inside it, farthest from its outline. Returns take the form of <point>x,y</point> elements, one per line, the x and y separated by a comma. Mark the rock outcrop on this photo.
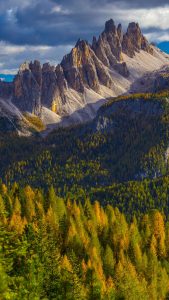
<point>54,86</point>
<point>35,86</point>
<point>108,47</point>
<point>27,88</point>
<point>82,68</point>
<point>133,41</point>
<point>94,68</point>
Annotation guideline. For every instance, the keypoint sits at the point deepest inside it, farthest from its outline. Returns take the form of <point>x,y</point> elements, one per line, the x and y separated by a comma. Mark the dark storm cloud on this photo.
<point>129,3</point>
<point>59,23</point>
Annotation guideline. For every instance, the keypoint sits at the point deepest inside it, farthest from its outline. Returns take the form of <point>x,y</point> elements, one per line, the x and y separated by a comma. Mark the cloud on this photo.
<point>13,55</point>
<point>56,23</point>
<point>153,17</point>
<point>158,36</point>
<point>45,29</point>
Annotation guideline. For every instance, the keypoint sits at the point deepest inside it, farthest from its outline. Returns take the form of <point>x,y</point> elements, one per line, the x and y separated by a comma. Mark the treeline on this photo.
<point>162,95</point>
<point>55,248</point>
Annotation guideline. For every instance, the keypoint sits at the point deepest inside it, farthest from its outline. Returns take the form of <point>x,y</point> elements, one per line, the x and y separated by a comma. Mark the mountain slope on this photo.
<point>87,76</point>
<point>12,121</point>
<point>128,140</point>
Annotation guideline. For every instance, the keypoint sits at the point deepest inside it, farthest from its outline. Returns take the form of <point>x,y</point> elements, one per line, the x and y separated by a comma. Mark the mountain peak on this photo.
<point>81,43</point>
<point>110,26</point>
<point>85,75</point>
<point>120,32</point>
<point>134,41</point>
<point>35,65</point>
<point>23,67</point>
<point>133,26</point>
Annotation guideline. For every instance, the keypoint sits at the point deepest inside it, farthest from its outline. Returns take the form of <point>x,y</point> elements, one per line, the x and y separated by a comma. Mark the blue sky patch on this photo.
<point>164,46</point>
<point>7,77</point>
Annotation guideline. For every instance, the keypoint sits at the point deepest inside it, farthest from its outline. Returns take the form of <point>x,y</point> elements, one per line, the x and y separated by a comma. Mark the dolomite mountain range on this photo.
<point>114,64</point>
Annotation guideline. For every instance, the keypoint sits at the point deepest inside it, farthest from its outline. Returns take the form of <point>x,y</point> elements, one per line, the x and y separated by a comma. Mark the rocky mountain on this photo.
<point>116,63</point>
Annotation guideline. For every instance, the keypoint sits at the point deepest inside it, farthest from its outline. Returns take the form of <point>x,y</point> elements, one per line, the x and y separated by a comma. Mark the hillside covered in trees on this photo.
<point>128,140</point>
<point>55,248</point>
<point>84,210</point>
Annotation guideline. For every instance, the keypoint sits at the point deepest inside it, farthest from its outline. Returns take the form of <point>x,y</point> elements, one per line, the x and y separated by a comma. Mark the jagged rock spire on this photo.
<point>86,66</point>
<point>120,32</point>
<point>110,26</point>
<point>134,41</point>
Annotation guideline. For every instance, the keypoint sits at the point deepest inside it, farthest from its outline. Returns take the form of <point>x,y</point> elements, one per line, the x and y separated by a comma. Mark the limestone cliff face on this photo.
<point>112,43</point>
<point>85,67</point>
<point>27,88</point>
<point>82,68</point>
<point>133,41</point>
<point>110,36</point>
<point>54,86</point>
<point>108,47</point>
<point>37,85</point>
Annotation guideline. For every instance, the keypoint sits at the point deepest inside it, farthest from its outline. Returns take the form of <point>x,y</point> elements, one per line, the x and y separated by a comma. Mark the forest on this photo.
<point>84,210</point>
<point>131,147</point>
<point>55,248</point>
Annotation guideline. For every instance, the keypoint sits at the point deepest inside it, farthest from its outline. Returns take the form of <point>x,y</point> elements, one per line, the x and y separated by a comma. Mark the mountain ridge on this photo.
<point>86,77</point>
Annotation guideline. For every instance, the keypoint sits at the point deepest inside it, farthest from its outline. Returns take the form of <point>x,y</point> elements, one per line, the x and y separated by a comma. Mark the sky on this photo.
<point>48,29</point>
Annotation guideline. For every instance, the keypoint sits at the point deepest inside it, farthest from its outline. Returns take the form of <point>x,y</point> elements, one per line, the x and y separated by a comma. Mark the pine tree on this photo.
<point>159,232</point>
<point>29,203</point>
<point>17,222</point>
<point>108,262</point>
